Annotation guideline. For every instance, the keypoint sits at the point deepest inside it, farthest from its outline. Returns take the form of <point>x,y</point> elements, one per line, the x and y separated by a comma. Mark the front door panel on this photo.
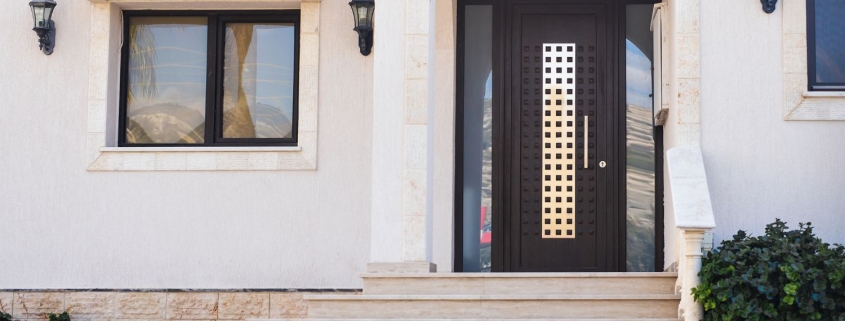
<point>560,200</point>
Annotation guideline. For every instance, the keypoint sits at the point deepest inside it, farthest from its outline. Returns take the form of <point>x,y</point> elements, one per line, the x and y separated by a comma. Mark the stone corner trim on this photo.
<point>105,306</point>
<point>103,95</point>
<point>797,103</point>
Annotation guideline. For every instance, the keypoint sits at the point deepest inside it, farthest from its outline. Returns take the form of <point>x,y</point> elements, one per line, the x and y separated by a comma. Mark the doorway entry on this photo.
<point>557,158</point>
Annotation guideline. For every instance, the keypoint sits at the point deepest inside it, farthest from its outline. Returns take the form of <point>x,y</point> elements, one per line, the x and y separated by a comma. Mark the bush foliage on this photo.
<point>61,317</point>
<point>5,316</point>
<point>782,275</point>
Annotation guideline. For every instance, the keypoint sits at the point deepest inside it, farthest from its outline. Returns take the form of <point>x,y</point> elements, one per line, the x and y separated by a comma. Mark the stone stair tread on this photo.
<point>621,275</point>
<point>450,297</point>
<point>564,319</point>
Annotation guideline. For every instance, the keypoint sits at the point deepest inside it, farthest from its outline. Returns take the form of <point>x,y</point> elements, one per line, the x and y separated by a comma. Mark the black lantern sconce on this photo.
<point>362,11</point>
<point>42,13</point>
<point>769,5</point>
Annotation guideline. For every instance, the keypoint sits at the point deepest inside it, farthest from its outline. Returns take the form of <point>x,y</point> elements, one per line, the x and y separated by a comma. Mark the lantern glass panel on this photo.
<point>38,15</point>
<point>48,13</point>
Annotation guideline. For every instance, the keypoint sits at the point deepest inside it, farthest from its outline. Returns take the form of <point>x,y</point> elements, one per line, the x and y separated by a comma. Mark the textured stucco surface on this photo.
<point>65,227</point>
<point>760,167</point>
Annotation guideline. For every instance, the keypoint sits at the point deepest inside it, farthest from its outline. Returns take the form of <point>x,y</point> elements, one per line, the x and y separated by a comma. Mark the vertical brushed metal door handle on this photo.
<point>586,141</point>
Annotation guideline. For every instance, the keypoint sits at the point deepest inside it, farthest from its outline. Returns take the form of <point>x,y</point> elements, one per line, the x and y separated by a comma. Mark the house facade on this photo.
<point>241,159</point>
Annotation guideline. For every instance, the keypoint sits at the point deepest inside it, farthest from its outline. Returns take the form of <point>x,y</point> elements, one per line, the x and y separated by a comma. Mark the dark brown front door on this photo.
<point>559,207</point>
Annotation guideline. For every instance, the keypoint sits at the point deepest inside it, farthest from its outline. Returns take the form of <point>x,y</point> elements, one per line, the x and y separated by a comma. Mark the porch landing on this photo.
<point>505,296</point>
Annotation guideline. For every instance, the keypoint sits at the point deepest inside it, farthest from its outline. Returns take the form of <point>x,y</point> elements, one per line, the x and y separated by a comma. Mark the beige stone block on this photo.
<point>689,134</point>
<point>413,193</point>
<point>416,17</point>
<point>263,160</point>
<point>98,82</point>
<point>201,161</point>
<point>309,17</point>
<point>795,53</point>
<point>37,305</point>
<point>794,87</point>
<point>413,248</point>
<point>233,161</point>
<point>171,161</point>
<point>239,306</point>
<point>289,305</point>
<point>140,305</point>
<point>688,16</point>
<point>6,299</point>
<point>90,305</point>
<point>309,49</point>
<point>107,162</point>
<point>689,101</point>
<point>192,306</point>
<point>99,48</point>
<point>416,102</point>
<point>308,98</point>
<point>306,159</point>
<point>416,145</point>
<point>97,115</point>
<point>401,267</point>
<point>94,141</point>
<point>416,57</point>
<point>794,16</point>
<point>133,161</point>
<point>689,56</point>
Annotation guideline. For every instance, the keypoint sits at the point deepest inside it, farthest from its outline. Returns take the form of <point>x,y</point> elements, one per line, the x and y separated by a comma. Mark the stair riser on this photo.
<point>499,309</point>
<point>511,286</point>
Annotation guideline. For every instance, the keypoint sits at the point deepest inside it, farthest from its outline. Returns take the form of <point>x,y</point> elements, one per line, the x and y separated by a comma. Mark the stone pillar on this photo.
<point>401,137</point>
<point>689,309</point>
<point>687,70</point>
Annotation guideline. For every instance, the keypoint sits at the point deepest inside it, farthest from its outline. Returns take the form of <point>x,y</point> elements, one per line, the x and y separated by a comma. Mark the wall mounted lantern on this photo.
<point>769,5</point>
<point>42,12</point>
<point>362,11</point>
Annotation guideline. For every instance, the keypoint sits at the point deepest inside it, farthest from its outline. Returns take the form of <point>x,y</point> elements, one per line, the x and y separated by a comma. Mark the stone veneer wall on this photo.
<point>149,306</point>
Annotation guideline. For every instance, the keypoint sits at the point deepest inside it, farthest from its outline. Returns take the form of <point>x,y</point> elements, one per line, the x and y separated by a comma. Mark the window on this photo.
<point>209,79</point>
<point>826,43</point>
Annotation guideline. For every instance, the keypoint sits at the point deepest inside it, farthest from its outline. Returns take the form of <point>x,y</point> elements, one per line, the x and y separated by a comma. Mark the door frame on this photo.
<point>501,177</point>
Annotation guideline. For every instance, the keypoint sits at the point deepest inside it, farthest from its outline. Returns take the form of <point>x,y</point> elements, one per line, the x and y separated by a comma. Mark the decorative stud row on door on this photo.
<point>559,144</point>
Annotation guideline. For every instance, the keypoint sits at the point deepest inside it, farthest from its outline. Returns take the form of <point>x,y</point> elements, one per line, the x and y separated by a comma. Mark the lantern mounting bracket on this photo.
<point>46,38</point>
<point>769,5</point>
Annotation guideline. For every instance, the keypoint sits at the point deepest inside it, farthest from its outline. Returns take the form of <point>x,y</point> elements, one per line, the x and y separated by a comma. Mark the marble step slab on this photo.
<point>494,306</point>
<point>519,283</point>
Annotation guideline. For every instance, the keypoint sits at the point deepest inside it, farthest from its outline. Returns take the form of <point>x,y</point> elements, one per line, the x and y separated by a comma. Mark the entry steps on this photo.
<point>505,296</point>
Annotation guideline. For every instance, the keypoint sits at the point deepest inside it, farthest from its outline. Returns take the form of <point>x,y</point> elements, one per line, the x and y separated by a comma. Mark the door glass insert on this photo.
<point>477,137</point>
<point>640,178</point>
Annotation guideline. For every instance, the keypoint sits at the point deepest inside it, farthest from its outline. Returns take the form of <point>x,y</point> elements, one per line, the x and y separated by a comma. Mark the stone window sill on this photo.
<point>198,149</point>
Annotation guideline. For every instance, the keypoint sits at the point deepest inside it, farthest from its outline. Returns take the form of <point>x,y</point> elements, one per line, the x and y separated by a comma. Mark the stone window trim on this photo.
<point>104,92</point>
<point>799,102</point>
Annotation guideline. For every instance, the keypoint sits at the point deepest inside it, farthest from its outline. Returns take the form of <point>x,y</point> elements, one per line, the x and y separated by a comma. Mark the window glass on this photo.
<point>165,98</point>
<point>830,41</point>
<point>640,176</point>
<point>478,138</point>
<point>258,80</point>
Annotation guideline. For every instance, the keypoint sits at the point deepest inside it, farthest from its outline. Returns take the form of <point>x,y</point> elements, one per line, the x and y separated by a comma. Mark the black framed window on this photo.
<point>191,78</point>
<point>826,44</point>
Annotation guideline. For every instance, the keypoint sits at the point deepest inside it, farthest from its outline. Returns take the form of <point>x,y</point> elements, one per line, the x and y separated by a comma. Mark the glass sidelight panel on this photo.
<point>641,207</point>
<point>477,138</point>
<point>258,80</point>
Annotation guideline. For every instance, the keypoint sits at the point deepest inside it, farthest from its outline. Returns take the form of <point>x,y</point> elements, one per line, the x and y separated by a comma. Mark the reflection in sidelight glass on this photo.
<point>640,140</point>
<point>165,101</point>
<point>478,138</point>
<point>258,78</point>
<point>830,41</point>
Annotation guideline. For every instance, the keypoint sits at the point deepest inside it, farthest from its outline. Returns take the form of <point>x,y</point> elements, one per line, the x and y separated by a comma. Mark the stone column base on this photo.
<point>401,267</point>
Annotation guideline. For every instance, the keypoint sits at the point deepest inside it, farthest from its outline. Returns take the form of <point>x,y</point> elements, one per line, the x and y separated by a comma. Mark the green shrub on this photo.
<point>61,317</point>
<point>782,275</point>
<point>5,316</point>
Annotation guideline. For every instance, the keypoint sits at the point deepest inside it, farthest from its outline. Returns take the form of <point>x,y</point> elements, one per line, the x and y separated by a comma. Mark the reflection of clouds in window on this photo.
<point>488,87</point>
<point>167,80</point>
<point>638,76</point>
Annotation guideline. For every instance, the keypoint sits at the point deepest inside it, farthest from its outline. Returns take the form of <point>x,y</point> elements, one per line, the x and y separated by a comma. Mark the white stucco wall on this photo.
<point>759,166</point>
<point>64,227</point>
